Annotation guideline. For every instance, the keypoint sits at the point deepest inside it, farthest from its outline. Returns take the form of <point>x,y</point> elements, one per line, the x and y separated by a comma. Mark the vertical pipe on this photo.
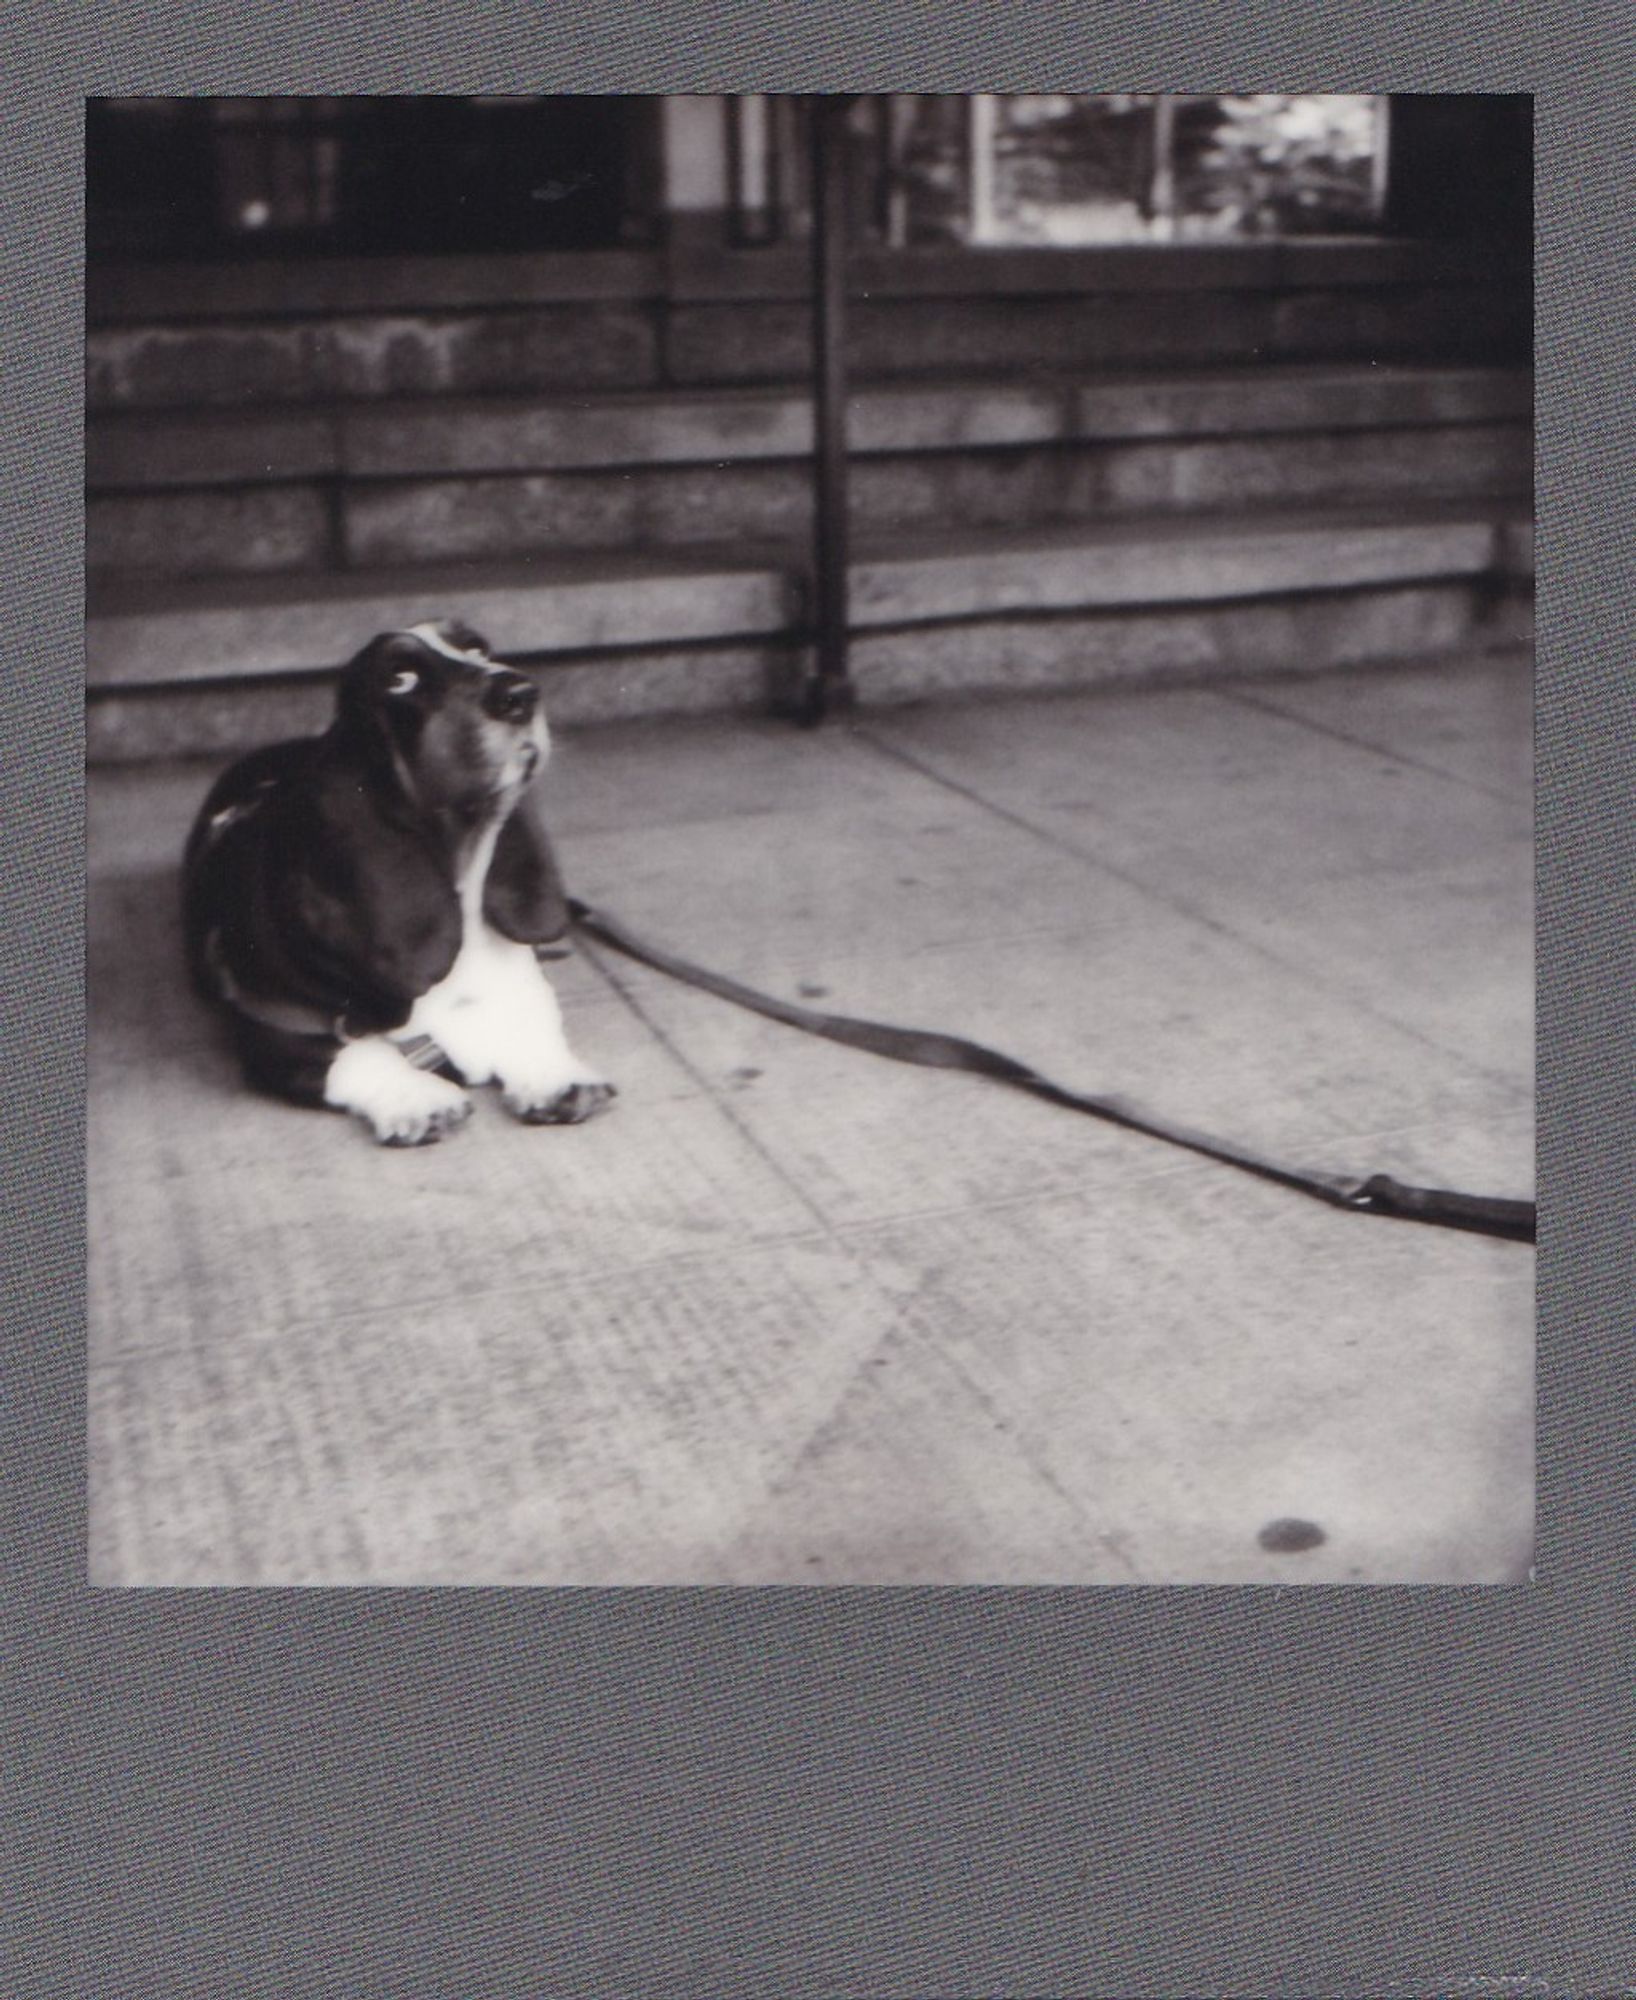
<point>749,154</point>
<point>982,123</point>
<point>1161,192</point>
<point>1379,161</point>
<point>901,111</point>
<point>755,160</point>
<point>829,685</point>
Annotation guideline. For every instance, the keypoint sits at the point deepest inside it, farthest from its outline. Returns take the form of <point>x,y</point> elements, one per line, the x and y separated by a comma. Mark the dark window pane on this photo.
<point>247,176</point>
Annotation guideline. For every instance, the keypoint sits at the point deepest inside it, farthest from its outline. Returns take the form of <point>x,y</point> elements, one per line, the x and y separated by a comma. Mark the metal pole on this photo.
<point>982,120</point>
<point>1161,190</point>
<point>828,685</point>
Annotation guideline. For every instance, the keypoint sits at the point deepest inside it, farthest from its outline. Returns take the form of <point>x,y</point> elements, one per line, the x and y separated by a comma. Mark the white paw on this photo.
<point>419,1118</point>
<point>401,1105</point>
<point>557,1102</point>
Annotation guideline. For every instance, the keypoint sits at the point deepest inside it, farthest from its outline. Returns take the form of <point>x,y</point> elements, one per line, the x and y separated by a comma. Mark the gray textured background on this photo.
<point>877,1793</point>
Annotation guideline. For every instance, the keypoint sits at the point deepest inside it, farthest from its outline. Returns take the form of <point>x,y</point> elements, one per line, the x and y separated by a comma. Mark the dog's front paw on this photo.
<point>560,1104</point>
<point>401,1105</point>
<point>420,1117</point>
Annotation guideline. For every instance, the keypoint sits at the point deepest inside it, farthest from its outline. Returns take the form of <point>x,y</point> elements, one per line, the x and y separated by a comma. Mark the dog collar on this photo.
<point>291,1017</point>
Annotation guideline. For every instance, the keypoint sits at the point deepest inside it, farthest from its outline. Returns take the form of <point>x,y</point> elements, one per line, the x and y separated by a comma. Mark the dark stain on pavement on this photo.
<point>1287,1537</point>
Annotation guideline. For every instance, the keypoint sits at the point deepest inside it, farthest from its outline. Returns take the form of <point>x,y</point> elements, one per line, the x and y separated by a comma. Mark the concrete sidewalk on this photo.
<point>793,1314</point>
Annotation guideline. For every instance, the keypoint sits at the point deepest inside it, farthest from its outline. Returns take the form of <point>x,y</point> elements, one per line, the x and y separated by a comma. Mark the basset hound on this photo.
<point>365,905</point>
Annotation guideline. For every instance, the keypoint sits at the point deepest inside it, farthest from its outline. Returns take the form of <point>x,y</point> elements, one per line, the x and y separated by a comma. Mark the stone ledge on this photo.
<point>982,658</point>
<point>119,292</point>
<point>136,451</point>
<point>152,636</point>
<point>1517,551</point>
<point>1162,563</point>
<point>271,288</point>
<point>250,627</point>
<point>252,364</point>
<point>440,518</point>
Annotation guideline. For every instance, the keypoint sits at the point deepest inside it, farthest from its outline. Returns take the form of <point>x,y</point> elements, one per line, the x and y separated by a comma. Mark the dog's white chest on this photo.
<point>493,1009</point>
<point>479,968</point>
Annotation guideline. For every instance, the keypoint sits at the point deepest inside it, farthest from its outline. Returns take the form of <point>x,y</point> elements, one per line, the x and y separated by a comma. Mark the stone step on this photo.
<point>365,489</point>
<point>491,517</point>
<point>1169,562</point>
<point>368,329</point>
<point>242,628</point>
<point>231,630</point>
<point>137,452</point>
<point>211,669</point>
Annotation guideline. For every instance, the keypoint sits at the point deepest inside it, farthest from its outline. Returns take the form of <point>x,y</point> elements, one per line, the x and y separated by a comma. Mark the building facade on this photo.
<point>548,360</point>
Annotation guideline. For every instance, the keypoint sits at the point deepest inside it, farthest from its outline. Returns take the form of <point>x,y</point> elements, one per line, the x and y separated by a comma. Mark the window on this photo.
<point>247,176</point>
<point>1082,170</point>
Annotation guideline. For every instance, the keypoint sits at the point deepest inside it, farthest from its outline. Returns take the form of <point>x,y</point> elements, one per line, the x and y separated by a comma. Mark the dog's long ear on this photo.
<point>523,896</point>
<point>379,714</point>
<point>370,900</point>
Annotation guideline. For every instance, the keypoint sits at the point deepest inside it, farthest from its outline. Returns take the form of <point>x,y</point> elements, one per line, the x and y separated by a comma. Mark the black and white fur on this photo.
<point>365,905</point>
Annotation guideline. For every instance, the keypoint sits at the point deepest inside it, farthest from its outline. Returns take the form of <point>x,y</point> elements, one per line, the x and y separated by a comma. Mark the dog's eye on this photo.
<point>402,682</point>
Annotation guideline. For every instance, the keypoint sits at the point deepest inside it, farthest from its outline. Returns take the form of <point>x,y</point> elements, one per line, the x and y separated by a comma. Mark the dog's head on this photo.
<point>441,721</point>
<point>442,733</point>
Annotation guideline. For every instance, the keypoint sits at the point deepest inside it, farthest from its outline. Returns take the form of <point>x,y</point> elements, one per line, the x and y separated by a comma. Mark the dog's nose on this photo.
<point>510,697</point>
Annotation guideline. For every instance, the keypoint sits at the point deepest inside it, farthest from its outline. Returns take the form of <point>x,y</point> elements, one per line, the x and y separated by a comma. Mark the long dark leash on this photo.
<point>1371,1194</point>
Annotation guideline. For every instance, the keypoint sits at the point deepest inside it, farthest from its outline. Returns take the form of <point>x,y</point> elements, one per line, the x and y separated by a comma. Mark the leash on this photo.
<point>1370,1194</point>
